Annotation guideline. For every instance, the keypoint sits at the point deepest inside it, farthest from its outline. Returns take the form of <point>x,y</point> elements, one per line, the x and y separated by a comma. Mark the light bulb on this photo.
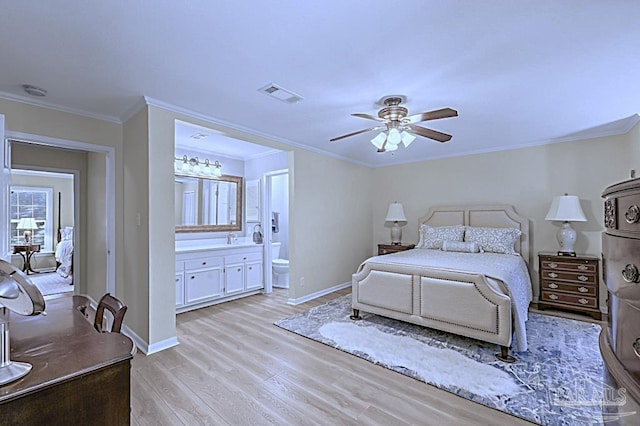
<point>185,164</point>
<point>378,141</point>
<point>390,147</point>
<point>407,138</point>
<point>217,169</point>
<point>394,137</point>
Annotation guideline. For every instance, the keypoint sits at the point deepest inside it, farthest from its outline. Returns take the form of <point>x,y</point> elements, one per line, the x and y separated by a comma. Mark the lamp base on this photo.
<point>566,238</point>
<point>396,233</point>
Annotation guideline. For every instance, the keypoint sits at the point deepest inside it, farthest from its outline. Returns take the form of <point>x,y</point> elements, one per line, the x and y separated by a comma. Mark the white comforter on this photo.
<point>509,269</point>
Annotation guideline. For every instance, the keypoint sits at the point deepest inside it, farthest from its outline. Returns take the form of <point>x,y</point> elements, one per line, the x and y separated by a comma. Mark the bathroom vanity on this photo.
<point>209,273</point>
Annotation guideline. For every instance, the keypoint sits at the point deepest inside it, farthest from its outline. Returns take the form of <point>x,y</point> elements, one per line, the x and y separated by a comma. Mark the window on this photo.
<point>27,201</point>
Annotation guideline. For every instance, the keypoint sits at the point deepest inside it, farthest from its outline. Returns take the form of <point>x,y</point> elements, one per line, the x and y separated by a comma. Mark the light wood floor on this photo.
<point>233,366</point>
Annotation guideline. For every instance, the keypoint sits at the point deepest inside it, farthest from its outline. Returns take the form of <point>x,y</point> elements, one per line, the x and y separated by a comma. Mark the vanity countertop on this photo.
<point>206,245</point>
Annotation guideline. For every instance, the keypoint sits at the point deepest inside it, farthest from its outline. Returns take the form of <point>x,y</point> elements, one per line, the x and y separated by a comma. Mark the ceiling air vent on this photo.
<point>280,93</point>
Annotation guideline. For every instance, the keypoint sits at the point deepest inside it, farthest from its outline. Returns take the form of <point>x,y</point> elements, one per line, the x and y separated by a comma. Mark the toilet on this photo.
<point>279,267</point>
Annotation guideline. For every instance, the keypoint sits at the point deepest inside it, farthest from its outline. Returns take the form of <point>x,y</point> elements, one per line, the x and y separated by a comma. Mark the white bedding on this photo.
<point>64,255</point>
<point>511,272</point>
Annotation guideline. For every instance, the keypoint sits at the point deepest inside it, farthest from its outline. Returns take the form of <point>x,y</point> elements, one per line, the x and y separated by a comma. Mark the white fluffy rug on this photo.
<point>441,366</point>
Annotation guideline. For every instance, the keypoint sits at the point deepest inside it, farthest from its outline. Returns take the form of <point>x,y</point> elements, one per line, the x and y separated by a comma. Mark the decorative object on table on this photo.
<point>396,215</point>
<point>562,361</point>
<point>566,208</point>
<point>27,224</point>
<point>17,294</point>
<point>257,234</point>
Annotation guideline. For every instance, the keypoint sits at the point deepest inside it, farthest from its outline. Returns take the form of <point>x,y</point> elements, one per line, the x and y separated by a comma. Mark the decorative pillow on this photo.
<point>431,237</point>
<point>494,240</point>
<point>462,246</point>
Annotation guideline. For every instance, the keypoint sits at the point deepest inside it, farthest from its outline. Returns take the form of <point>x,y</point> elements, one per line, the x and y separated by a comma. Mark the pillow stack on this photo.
<point>469,239</point>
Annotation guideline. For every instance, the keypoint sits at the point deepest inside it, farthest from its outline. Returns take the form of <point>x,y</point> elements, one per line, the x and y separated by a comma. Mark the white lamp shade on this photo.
<point>394,137</point>
<point>378,141</point>
<point>395,213</point>
<point>27,223</point>
<point>566,208</point>
<point>407,138</point>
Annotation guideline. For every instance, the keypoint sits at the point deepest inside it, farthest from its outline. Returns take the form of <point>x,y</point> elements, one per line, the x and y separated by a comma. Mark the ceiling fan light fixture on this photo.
<point>378,141</point>
<point>394,137</point>
<point>390,147</point>
<point>407,138</point>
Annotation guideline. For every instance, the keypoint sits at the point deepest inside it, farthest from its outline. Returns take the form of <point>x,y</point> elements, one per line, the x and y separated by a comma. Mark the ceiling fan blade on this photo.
<point>429,133</point>
<point>367,116</point>
<point>432,115</point>
<point>355,133</point>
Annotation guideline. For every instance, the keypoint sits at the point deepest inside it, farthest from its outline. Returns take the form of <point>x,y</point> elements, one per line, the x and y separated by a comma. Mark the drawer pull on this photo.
<point>583,301</point>
<point>553,275</point>
<point>636,347</point>
<point>583,290</point>
<point>633,214</point>
<point>583,278</point>
<point>553,285</point>
<point>239,269</point>
<point>630,273</point>
<point>553,265</point>
<point>583,267</point>
<point>204,263</point>
<point>553,297</point>
<point>193,277</point>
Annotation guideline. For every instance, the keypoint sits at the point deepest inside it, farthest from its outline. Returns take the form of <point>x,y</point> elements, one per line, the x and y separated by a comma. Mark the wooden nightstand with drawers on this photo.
<point>393,248</point>
<point>570,283</point>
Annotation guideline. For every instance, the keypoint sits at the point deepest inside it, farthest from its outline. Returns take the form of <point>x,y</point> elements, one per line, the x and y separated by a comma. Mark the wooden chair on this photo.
<point>116,308</point>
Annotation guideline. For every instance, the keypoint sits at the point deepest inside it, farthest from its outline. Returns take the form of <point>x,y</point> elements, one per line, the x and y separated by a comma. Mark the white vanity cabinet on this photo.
<point>206,275</point>
<point>179,284</point>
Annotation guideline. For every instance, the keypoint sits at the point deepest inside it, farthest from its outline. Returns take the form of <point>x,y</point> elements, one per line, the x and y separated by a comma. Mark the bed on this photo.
<point>484,296</point>
<point>64,253</point>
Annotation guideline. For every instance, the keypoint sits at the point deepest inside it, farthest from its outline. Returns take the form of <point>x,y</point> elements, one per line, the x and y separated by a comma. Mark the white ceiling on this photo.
<point>519,73</point>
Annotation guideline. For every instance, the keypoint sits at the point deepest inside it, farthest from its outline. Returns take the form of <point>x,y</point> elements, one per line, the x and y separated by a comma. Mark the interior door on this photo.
<point>5,182</point>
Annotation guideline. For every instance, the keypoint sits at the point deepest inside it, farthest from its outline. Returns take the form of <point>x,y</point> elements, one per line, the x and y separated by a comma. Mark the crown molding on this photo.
<point>621,127</point>
<point>56,107</point>
<point>254,132</point>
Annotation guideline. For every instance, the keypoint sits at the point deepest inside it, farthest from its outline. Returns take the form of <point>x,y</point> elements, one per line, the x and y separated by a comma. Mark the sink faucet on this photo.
<point>229,238</point>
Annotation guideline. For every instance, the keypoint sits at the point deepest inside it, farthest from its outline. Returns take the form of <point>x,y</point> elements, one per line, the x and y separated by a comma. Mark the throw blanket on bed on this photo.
<point>510,269</point>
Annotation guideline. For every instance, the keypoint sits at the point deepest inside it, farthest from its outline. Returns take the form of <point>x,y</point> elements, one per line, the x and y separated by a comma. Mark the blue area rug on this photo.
<point>561,379</point>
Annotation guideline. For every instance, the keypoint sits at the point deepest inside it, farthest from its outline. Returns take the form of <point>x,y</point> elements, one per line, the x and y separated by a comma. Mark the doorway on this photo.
<point>41,224</point>
<point>93,211</point>
<point>276,213</point>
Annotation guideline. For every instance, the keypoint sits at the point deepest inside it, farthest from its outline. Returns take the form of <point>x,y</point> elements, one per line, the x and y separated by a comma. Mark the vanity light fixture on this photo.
<point>196,167</point>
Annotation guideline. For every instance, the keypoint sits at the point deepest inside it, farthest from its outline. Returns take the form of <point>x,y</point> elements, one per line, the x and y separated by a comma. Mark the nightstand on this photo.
<point>393,248</point>
<point>570,283</point>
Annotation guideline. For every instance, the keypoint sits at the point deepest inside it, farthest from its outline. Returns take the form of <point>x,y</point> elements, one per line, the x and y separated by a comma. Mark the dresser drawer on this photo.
<point>576,289</point>
<point>569,299</point>
<point>585,266</point>
<point>628,213</point>
<point>621,269</point>
<point>241,258</point>
<point>576,277</point>
<point>202,263</point>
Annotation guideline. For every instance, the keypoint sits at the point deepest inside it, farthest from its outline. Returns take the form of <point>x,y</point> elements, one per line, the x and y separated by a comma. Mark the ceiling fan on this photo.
<point>400,128</point>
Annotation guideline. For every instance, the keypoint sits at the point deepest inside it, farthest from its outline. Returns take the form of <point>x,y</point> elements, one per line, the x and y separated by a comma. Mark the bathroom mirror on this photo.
<point>207,204</point>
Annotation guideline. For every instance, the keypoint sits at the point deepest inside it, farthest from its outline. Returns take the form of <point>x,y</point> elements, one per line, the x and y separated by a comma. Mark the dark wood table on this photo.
<point>79,376</point>
<point>26,251</point>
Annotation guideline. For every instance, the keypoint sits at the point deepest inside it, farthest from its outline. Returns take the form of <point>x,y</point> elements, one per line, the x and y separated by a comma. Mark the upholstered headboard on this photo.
<point>495,216</point>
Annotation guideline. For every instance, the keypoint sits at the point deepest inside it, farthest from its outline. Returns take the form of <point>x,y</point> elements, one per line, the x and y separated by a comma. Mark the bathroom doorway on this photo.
<point>276,214</point>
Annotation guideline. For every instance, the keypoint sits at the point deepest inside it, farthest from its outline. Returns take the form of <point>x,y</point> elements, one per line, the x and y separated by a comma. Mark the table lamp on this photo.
<point>27,224</point>
<point>566,208</point>
<point>20,295</point>
<point>395,214</point>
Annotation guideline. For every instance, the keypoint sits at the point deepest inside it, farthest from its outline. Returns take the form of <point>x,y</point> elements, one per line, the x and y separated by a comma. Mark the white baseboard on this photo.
<point>144,347</point>
<point>317,294</point>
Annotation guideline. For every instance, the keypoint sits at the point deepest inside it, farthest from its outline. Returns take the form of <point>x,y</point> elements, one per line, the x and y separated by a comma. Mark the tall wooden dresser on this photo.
<point>620,341</point>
